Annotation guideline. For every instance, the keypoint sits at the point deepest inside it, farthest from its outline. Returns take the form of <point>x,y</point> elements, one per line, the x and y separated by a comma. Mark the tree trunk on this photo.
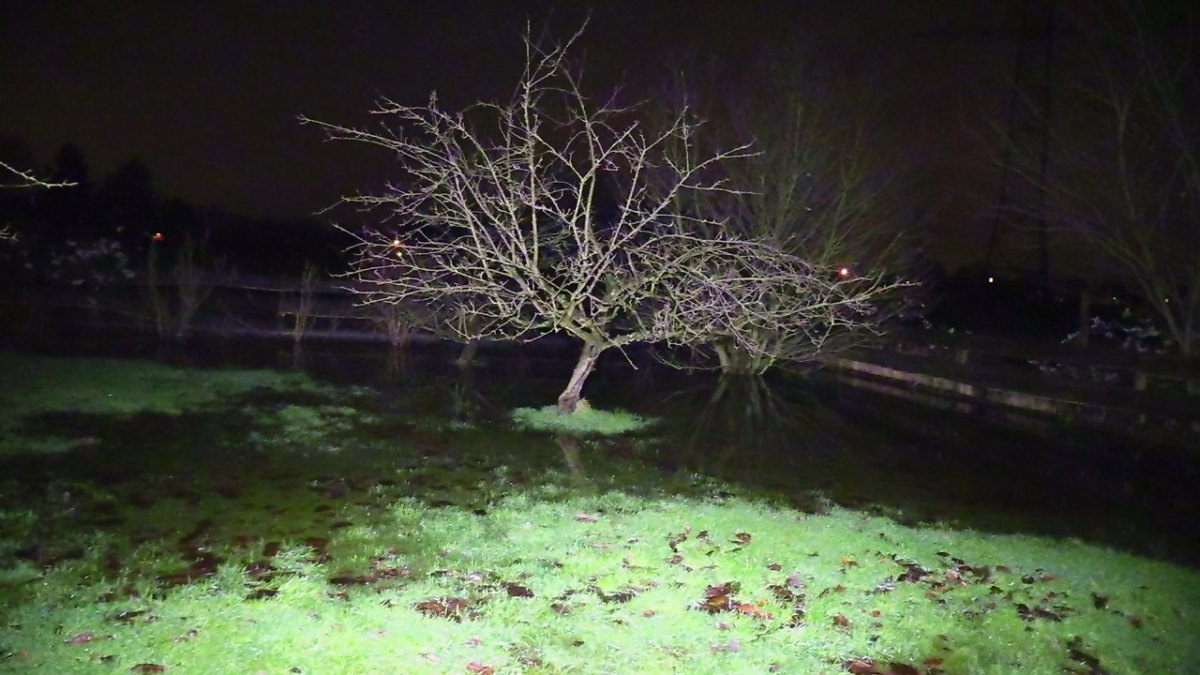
<point>583,367</point>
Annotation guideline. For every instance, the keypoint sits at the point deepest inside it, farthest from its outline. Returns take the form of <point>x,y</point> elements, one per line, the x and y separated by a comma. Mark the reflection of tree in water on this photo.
<point>570,446</point>
<point>396,364</point>
<point>744,423</point>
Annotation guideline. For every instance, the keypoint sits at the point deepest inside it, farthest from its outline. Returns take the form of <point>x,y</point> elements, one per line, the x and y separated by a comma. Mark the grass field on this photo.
<point>154,519</point>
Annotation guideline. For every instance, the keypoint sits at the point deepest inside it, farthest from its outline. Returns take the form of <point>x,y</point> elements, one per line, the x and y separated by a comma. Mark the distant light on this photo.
<point>845,272</point>
<point>396,243</point>
<point>157,236</point>
<point>991,280</point>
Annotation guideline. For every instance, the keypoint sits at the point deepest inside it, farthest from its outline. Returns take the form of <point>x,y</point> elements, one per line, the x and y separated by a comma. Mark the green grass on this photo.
<point>115,387</point>
<point>317,532</point>
<point>585,421</point>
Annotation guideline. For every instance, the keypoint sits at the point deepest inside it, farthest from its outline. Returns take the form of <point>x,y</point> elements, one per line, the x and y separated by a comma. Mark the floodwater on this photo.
<point>804,440</point>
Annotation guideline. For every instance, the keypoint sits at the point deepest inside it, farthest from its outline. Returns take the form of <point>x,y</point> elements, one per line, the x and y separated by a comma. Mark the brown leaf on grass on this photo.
<point>775,567</point>
<point>144,668</point>
<point>676,539</point>
<point>1030,614</point>
<point>480,669</point>
<point>518,591</point>
<point>795,580</point>
<point>1077,654</point>
<point>393,572</point>
<point>81,638</point>
<point>848,562</point>
<point>784,593</point>
<point>444,608</point>
<point>1134,620</point>
<point>901,669</point>
<point>586,518</point>
<point>861,667</point>
<point>752,610</point>
<point>741,538</point>
<point>718,598</point>
<point>912,572</point>
<point>674,560</point>
<point>840,621</point>
<point>831,590</point>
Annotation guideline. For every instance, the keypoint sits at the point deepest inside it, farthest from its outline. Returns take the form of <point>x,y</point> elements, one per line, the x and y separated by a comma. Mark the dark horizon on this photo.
<point>207,95</point>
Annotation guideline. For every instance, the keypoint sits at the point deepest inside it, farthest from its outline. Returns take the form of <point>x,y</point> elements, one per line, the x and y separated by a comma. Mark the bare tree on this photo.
<point>817,189</point>
<point>557,213</point>
<point>1124,176</point>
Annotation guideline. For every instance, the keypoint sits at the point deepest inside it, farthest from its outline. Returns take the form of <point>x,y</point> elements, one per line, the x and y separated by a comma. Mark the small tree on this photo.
<point>557,213</point>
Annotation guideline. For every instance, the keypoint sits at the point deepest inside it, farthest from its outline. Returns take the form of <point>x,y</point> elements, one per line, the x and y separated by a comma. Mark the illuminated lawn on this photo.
<point>287,527</point>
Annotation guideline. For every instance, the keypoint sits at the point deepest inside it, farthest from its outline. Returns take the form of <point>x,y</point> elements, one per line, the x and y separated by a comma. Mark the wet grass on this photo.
<point>276,525</point>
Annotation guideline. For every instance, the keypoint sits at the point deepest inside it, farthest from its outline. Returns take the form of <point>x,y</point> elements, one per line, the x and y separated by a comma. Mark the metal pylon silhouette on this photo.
<point>1019,203</point>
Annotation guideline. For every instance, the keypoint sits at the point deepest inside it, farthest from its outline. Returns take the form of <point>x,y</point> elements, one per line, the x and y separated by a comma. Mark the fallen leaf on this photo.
<point>148,668</point>
<point>912,573</point>
<point>676,539</point>
<point>1039,612</point>
<point>81,638</point>
<point>861,667</point>
<point>741,538</point>
<point>717,598</point>
<point>841,621</point>
<point>444,608</point>
<point>518,591</point>
<point>480,669</point>
<point>586,518</point>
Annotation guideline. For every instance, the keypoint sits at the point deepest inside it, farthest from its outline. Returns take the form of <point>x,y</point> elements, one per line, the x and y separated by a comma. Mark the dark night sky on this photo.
<point>207,93</point>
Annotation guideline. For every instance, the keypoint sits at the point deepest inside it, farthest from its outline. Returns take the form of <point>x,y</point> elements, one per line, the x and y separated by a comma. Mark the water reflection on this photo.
<point>798,440</point>
<point>812,439</point>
